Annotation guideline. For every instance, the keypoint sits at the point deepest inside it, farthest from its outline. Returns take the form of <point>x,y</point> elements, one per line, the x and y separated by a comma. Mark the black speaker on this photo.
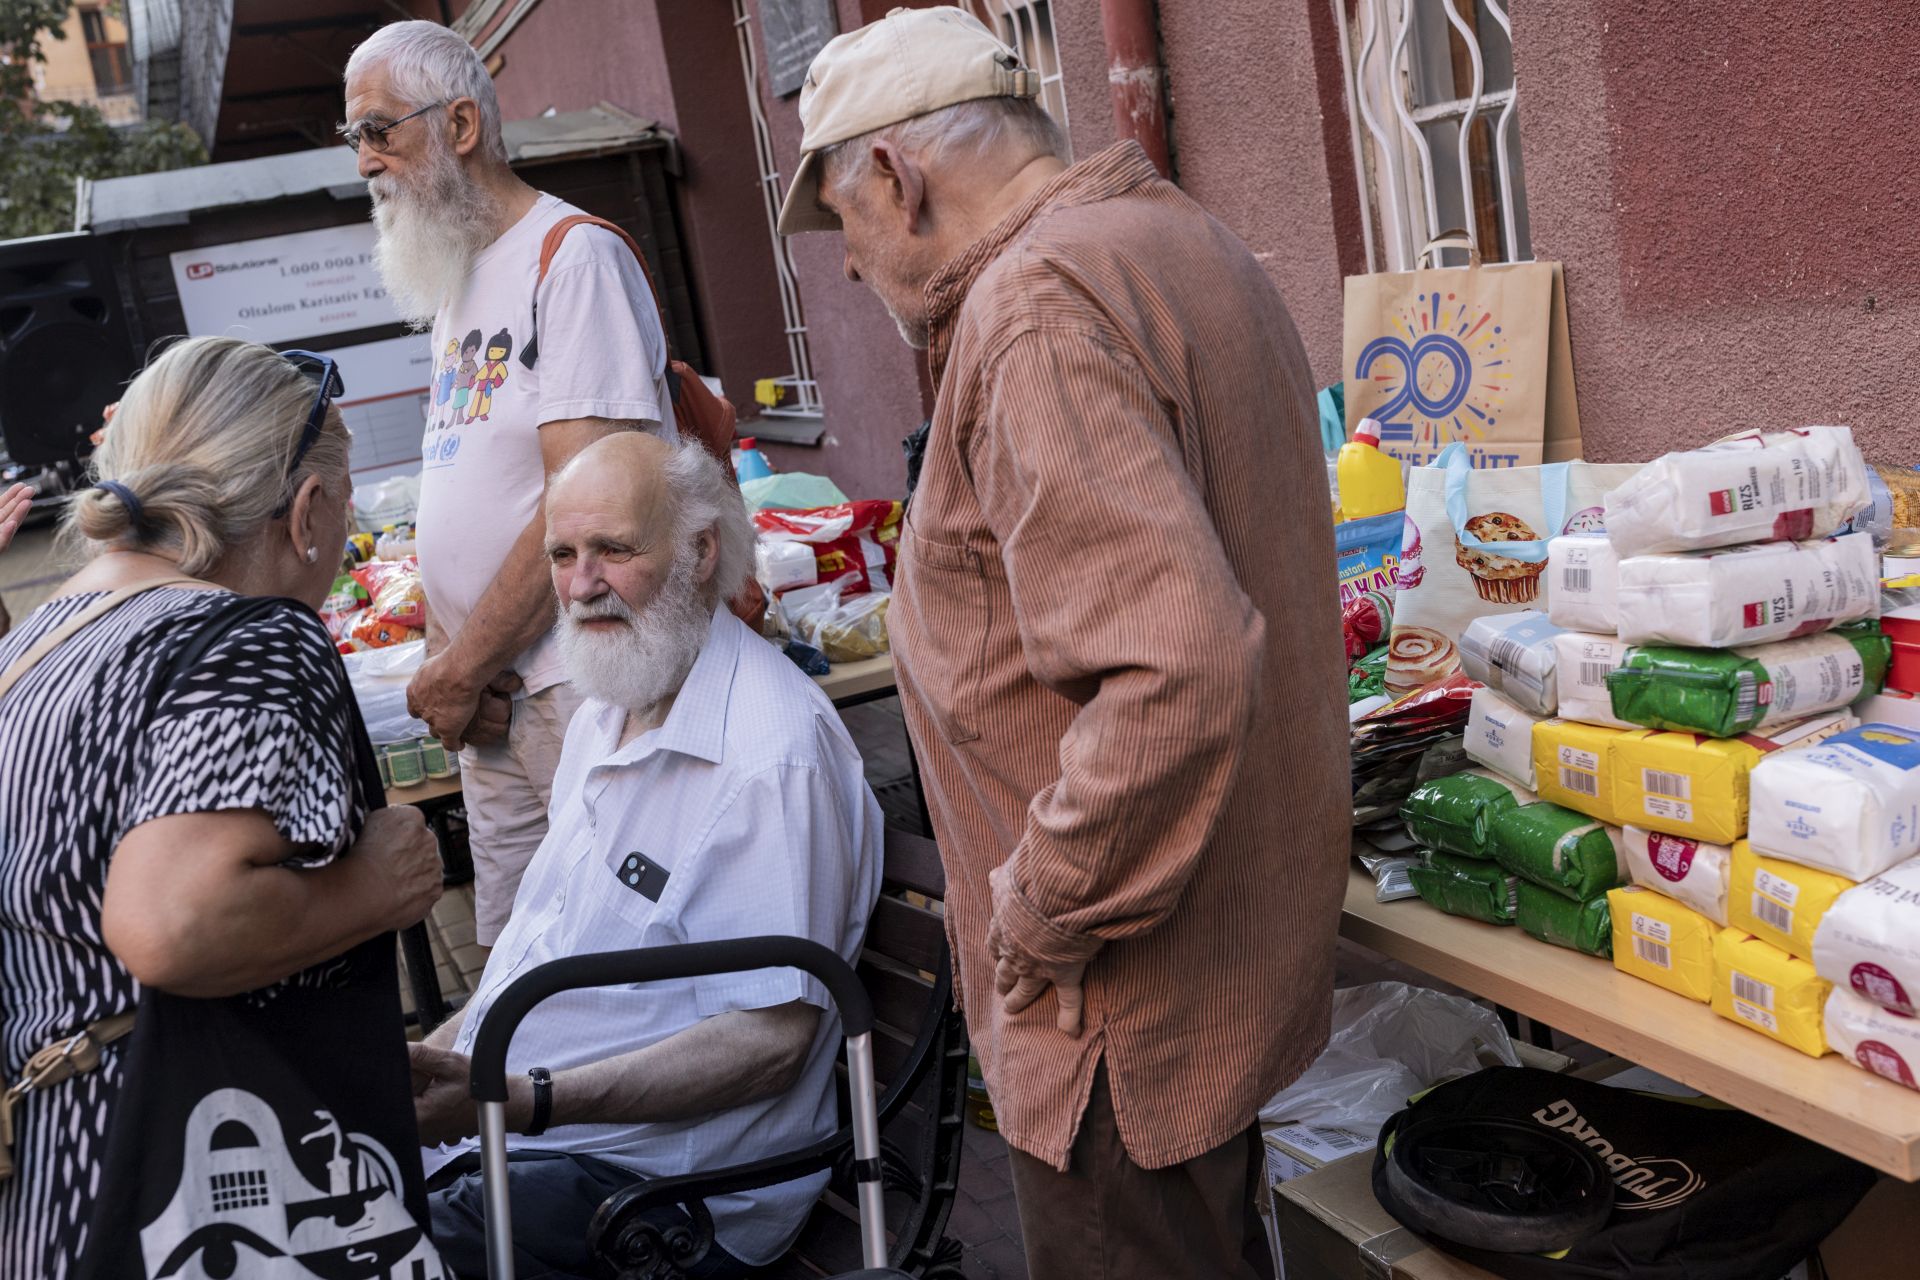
<point>65,352</point>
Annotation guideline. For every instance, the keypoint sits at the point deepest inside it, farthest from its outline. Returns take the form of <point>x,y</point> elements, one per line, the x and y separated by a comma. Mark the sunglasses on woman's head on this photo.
<point>325,373</point>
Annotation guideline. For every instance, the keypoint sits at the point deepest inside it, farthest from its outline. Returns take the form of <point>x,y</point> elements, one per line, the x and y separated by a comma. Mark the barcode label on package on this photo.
<point>1677,786</point>
<point>1584,783</point>
<point>1649,927</point>
<point>1758,1017</point>
<point>1594,674</point>
<point>1577,579</point>
<point>1505,654</point>
<point>1654,953</point>
<point>1575,758</point>
<point>1772,914</point>
<point>1746,697</point>
<point>1752,990</point>
<point>1321,1142</point>
<point>1667,810</point>
<point>1779,888</point>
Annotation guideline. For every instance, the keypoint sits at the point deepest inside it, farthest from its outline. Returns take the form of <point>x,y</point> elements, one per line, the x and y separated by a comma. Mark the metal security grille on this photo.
<point>1432,83</point>
<point>1027,27</point>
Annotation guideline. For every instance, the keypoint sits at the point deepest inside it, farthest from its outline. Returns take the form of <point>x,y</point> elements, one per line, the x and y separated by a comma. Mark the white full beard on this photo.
<point>638,666</point>
<point>431,229</point>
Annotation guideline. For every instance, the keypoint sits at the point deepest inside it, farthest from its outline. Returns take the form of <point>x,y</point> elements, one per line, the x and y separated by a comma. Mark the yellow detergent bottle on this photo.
<point>1370,482</point>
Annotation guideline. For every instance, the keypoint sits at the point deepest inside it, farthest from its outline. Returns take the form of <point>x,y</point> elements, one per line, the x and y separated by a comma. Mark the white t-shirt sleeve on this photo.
<point>601,353</point>
<point>779,861</point>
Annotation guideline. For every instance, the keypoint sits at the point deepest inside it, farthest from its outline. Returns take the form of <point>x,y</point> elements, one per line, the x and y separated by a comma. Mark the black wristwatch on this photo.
<point>542,1101</point>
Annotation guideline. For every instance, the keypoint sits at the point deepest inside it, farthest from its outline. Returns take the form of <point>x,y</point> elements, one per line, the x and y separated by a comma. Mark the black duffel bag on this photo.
<point>1700,1191</point>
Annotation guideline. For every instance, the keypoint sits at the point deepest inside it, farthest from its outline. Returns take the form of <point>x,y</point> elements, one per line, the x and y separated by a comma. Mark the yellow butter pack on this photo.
<point>1573,765</point>
<point>1687,784</point>
<point>1663,942</point>
<point>1758,985</point>
<point>1777,901</point>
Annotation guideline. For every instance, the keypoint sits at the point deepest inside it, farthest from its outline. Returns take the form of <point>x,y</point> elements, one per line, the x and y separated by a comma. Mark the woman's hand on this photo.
<point>401,861</point>
<point>13,511</point>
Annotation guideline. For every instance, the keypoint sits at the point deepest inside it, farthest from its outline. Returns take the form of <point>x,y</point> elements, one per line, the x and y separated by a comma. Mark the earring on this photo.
<point>313,553</point>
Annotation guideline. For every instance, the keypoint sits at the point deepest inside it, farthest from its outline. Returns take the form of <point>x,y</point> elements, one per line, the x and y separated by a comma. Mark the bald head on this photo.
<point>621,473</point>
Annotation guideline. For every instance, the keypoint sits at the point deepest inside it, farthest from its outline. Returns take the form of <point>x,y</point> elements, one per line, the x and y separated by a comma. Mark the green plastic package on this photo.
<point>1557,849</point>
<point>1724,693</point>
<point>1368,676</point>
<point>1466,887</point>
<point>1584,925</point>
<point>1454,814</point>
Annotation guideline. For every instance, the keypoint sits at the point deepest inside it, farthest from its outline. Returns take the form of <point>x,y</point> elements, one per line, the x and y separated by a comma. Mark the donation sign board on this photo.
<point>796,30</point>
<point>284,288</point>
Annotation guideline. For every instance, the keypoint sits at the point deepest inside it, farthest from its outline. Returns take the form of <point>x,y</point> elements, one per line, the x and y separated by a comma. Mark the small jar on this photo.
<point>435,758</point>
<point>405,765</point>
<point>386,774</point>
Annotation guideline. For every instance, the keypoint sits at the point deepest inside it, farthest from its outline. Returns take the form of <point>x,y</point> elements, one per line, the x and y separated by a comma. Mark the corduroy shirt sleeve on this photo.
<point>1125,605</point>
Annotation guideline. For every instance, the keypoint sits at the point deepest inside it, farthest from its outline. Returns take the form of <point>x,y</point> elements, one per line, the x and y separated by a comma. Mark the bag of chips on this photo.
<point>1466,887</point>
<point>1762,987</point>
<point>1583,925</point>
<point>1454,814</point>
<point>1728,692</point>
<point>1557,848</point>
<point>395,592</point>
<point>1660,941</point>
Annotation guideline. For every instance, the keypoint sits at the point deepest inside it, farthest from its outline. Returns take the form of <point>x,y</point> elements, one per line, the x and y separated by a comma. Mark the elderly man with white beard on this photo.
<point>707,790</point>
<point>459,247</point>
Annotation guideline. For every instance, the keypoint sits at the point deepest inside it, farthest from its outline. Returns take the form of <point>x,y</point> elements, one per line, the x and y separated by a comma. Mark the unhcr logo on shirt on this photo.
<point>1656,1183</point>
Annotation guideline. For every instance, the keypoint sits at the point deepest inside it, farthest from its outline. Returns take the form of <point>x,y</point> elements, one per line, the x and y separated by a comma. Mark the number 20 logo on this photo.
<point>1430,380</point>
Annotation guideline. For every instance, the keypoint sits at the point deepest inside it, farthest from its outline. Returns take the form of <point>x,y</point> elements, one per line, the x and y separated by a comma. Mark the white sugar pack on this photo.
<point>1869,940</point>
<point>1513,653</point>
<point>1583,579</point>
<point>1774,486</point>
<point>1749,595</point>
<point>1850,804</point>
<point>1873,1039</point>
<point>1690,871</point>
<point>1500,736</point>
<point>1581,663</point>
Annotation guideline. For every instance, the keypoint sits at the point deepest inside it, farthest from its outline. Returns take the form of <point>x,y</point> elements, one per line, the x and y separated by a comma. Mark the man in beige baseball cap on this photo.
<point>1117,641</point>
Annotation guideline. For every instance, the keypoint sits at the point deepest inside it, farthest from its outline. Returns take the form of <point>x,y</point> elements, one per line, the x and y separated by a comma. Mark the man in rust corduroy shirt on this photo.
<point>1117,629</point>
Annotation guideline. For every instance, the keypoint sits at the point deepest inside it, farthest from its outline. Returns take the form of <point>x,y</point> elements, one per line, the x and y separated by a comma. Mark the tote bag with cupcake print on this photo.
<point>1475,543</point>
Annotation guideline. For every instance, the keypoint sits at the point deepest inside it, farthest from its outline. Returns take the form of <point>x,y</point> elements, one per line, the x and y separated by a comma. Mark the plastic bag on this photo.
<point>838,618</point>
<point>1389,1042</point>
<point>396,612</point>
<point>390,501</point>
<point>858,538</point>
<point>1465,887</point>
<point>379,680</point>
<point>343,605</point>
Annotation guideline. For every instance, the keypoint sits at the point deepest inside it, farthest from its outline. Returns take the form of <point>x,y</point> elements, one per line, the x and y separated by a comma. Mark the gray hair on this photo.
<point>709,501</point>
<point>965,131</point>
<point>203,439</point>
<point>429,63</point>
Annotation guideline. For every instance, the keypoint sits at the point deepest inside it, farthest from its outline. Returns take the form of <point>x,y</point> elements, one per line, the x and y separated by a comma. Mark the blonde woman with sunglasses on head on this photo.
<point>199,1020</point>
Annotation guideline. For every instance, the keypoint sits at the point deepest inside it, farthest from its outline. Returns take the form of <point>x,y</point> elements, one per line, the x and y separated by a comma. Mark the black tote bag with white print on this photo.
<point>270,1133</point>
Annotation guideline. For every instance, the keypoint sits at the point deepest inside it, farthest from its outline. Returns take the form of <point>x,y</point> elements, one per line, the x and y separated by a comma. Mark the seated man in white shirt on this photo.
<point>707,790</point>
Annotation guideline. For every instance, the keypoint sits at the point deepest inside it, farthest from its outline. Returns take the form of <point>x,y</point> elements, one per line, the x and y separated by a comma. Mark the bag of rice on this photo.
<point>1573,765</point>
<point>1760,986</point>
<point>1466,887</point>
<point>1658,940</point>
<point>1728,692</point>
<point>1581,662</point>
<point>1582,925</point>
<point>1454,814</point>
<point>1869,940</point>
<point>1754,487</point>
<point>1692,872</point>
<point>1513,653</point>
<point>1583,579</point>
<point>1780,902</point>
<point>1748,595</point>
<point>1500,736</point>
<point>1559,849</point>
<point>1688,785</point>
<point>1850,805</point>
<point>1887,1044</point>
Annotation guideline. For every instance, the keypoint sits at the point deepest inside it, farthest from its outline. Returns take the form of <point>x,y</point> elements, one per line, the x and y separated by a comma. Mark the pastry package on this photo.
<point>1869,940</point>
<point>1583,583</point>
<point>1728,692</point>
<point>1695,873</point>
<point>1581,924</point>
<point>1754,487</point>
<point>1686,784</point>
<point>1850,805</point>
<point>1662,941</point>
<point>1762,987</point>
<point>1466,887</point>
<point>1582,662</point>
<point>1573,765</point>
<point>1749,595</point>
<point>1500,736</point>
<point>1454,814</point>
<point>1513,653</point>
<point>1558,849</point>
<point>1873,1039</point>
<point>1778,901</point>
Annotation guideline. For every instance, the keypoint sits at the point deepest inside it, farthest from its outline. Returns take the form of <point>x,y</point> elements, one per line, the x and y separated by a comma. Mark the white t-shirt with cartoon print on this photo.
<point>601,354</point>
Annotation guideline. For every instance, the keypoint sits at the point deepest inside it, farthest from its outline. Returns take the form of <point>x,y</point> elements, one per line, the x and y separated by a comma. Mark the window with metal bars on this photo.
<point>1433,107</point>
<point>1026,26</point>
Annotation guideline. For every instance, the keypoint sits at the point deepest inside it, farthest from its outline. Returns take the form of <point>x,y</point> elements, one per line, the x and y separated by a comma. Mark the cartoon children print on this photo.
<point>464,376</point>
<point>492,374</point>
<point>443,380</point>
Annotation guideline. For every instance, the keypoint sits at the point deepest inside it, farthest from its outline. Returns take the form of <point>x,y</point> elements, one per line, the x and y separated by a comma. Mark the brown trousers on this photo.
<point>1106,1218</point>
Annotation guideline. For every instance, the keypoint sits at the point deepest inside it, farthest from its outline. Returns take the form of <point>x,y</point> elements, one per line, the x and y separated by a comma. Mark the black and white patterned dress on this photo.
<point>261,723</point>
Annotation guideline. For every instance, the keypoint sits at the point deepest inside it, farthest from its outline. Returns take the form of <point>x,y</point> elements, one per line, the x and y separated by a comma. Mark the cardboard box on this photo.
<point>1331,1228</point>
